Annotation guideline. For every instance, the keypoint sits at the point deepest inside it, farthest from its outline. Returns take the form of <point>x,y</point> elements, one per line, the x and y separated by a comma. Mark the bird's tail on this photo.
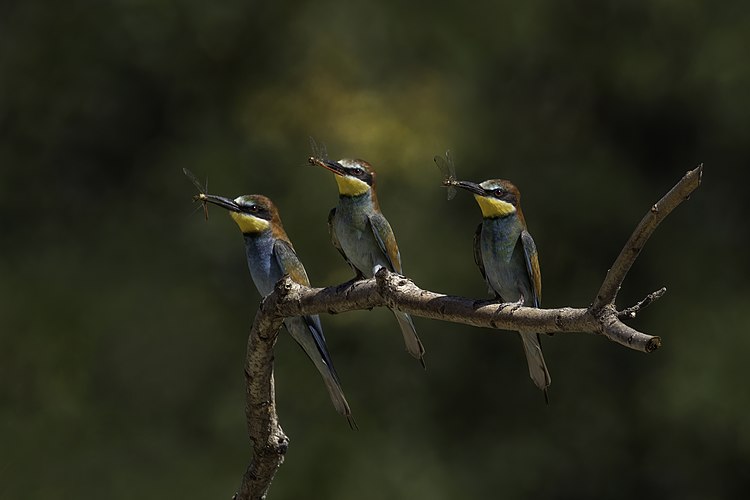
<point>308,334</point>
<point>411,340</point>
<point>336,393</point>
<point>537,367</point>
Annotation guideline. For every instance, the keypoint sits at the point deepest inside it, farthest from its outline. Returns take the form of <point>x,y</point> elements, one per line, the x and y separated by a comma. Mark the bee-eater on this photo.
<point>270,256</point>
<point>362,234</point>
<point>507,258</point>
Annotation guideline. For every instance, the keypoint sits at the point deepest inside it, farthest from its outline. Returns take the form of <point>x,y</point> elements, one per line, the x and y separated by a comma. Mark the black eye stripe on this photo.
<point>360,173</point>
<point>257,211</point>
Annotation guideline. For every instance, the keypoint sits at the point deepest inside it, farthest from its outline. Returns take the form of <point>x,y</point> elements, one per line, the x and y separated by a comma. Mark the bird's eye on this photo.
<point>253,208</point>
<point>499,192</point>
<point>358,171</point>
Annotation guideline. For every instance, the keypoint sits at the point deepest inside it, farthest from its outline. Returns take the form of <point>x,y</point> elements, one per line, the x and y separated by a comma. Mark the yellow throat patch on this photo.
<point>249,223</point>
<point>351,186</point>
<point>492,207</point>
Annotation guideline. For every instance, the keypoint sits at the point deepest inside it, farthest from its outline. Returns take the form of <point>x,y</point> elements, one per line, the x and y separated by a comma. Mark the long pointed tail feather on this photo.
<point>537,367</point>
<point>337,396</point>
<point>307,334</point>
<point>411,340</point>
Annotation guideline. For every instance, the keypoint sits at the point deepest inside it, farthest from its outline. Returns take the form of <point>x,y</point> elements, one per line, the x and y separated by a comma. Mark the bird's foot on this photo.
<point>357,277</point>
<point>514,306</point>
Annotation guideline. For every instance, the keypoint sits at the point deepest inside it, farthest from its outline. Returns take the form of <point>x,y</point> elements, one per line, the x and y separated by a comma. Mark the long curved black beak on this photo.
<point>333,166</point>
<point>472,187</point>
<point>218,200</point>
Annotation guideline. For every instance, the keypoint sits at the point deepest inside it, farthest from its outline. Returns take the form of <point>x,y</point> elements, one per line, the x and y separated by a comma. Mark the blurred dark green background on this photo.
<point>124,315</point>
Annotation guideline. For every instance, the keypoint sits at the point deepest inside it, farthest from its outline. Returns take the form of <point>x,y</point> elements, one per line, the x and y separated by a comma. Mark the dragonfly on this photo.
<point>318,151</point>
<point>448,168</point>
<point>202,189</point>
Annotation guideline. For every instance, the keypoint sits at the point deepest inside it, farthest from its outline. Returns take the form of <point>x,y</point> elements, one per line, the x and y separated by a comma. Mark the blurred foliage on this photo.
<point>124,316</point>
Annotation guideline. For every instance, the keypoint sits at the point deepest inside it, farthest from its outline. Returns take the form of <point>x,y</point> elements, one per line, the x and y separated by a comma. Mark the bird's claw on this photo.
<point>514,306</point>
<point>347,284</point>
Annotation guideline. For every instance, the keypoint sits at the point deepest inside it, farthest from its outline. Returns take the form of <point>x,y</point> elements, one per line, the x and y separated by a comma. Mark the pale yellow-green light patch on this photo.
<point>351,186</point>
<point>250,223</point>
<point>492,207</point>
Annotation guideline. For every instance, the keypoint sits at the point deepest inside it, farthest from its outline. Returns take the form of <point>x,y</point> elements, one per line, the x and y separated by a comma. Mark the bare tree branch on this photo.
<point>269,441</point>
<point>631,312</point>
<point>391,290</point>
<point>394,291</point>
<point>644,230</point>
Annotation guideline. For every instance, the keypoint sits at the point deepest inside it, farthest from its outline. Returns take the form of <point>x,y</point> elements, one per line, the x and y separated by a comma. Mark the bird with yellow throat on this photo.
<point>362,234</point>
<point>270,256</point>
<point>507,257</point>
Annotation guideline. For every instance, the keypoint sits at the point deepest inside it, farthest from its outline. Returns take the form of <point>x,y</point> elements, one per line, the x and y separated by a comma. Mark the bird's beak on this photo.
<point>471,187</point>
<point>333,166</point>
<point>218,200</point>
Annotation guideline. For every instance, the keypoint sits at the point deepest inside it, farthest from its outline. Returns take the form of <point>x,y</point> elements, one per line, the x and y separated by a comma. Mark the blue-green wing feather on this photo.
<point>291,265</point>
<point>386,240</point>
<point>308,332</point>
<point>532,266</point>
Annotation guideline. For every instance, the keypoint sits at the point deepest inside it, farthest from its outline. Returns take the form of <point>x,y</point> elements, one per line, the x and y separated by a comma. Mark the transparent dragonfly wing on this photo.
<point>447,167</point>
<point>202,189</point>
<point>318,149</point>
